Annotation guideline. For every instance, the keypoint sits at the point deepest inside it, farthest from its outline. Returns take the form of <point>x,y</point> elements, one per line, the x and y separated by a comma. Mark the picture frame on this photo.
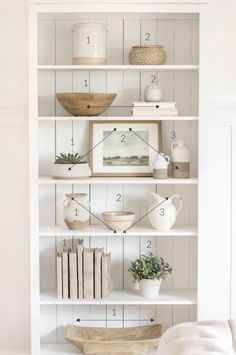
<point>117,149</point>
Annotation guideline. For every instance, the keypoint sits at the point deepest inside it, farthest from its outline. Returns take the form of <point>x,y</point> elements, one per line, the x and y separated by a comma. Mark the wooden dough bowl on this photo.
<point>85,104</point>
<point>114,341</point>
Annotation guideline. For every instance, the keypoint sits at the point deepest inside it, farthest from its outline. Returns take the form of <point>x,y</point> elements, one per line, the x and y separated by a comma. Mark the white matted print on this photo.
<point>121,149</point>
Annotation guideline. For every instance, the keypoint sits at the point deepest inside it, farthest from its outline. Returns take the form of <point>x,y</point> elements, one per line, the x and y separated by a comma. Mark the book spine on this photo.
<point>73,275</point>
<point>105,276</point>
<point>65,275</point>
<point>59,275</point>
<point>98,273</point>
<point>80,270</point>
<point>88,267</point>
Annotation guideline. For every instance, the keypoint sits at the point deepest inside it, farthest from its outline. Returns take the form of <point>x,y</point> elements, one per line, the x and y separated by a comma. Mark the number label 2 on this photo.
<point>147,36</point>
<point>118,197</point>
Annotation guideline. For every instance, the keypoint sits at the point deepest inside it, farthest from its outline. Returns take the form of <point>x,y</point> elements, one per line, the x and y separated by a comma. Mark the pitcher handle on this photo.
<point>180,202</point>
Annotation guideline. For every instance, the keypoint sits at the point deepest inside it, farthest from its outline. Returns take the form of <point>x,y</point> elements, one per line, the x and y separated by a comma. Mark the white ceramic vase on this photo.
<point>149,288</point>
<point>152,93</point>
<point>89,43</point>
<point>78,171</point>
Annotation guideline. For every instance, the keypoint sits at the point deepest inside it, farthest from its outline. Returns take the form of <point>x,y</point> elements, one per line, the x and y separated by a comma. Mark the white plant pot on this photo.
<point>149,288</point>
<point>78,171</point>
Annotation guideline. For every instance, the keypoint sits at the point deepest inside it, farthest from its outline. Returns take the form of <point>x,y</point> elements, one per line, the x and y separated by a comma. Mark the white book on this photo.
<point>73,275</point>
<point>88,267</point>
<point>161,104</point>
<point>59,275</point>
<point>65,275</point>
<point>155,113</point>
<point>105,275</point>
<point>98,272</point>
<point>80,248</point>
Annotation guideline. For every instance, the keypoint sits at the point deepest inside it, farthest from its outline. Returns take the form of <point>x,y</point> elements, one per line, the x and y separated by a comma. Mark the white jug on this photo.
<point>180,159</point>
<point>163,217</point>
<point>160,166</point>
<point>180,152</point>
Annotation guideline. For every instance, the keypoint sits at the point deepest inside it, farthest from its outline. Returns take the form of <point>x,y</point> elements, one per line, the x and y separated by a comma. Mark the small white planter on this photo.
<point>149,288</point>
<point>78,171</point>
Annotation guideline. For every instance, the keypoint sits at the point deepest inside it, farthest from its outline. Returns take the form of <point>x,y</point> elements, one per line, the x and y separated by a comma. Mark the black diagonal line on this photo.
<point>140,219</point>
<point>99,219</point>
<point>114,130</point>
<point>146,142</point>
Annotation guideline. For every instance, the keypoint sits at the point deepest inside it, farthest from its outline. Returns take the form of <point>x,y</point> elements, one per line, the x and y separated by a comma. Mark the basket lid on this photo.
<point>148,46</point>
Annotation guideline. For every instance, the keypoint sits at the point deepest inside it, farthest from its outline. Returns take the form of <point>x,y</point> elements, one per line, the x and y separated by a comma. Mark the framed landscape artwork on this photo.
<point>124,148</point>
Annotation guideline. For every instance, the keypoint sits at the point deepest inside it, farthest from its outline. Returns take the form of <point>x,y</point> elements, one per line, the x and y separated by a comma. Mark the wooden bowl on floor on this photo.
<point>114,341</point>
<point>85,104</point>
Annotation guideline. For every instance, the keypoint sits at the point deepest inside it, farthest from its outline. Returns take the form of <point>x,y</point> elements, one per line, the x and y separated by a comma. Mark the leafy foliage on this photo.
<point>69,159</point>
<point>151,267</point>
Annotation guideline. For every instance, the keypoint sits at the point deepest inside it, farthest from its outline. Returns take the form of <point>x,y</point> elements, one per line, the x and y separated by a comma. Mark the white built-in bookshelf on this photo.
<point>52,131</point>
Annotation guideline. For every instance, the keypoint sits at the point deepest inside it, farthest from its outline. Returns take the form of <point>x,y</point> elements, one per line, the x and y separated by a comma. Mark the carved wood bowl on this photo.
<point>114,341</point>
<point>85,104</point>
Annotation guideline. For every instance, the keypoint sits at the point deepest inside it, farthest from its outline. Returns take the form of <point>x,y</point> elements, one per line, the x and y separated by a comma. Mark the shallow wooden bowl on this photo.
<point>114,341</point>
<point>85,104</point>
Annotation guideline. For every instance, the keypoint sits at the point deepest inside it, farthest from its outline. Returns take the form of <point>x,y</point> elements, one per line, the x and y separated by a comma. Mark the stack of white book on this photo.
<point>154,109</point>
<point>83,273</point>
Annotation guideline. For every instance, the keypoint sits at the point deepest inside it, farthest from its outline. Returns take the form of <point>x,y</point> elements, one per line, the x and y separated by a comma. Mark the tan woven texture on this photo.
<point>147,55</point>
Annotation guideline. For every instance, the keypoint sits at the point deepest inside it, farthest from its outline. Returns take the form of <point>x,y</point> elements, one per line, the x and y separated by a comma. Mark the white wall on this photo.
<point>14,295</point>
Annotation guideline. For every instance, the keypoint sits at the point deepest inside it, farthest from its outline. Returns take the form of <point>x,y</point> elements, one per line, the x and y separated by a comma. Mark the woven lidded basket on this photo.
<point>147,54</point>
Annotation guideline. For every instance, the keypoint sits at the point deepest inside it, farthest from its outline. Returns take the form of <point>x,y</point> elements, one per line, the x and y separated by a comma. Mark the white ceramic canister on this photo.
<point>160,166</point>
<point>180,157</point>
<point>149,288</point>
<point>75,215</point>
<point>152,93</point>
<point>89,43</point>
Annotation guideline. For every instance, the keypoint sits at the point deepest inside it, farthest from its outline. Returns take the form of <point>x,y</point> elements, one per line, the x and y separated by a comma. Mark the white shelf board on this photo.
<point>118,118</point>
<point>121,67</point>
<point>103,231</point>
<point>127,297</point>
<point>68,349</point>
<point>48,180</point>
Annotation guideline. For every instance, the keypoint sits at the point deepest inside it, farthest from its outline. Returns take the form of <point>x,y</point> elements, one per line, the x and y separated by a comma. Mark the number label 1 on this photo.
<point>76,212</point>
<point>85,83</point>
<point>113,312</point>
<point>88,40</point>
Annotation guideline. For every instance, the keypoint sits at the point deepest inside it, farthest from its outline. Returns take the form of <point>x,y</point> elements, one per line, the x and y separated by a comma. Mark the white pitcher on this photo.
<point>163,217</point>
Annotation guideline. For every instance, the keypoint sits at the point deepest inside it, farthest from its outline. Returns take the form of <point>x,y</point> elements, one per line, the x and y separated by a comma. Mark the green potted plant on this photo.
<point>70,166</point>
<point>149,270</point>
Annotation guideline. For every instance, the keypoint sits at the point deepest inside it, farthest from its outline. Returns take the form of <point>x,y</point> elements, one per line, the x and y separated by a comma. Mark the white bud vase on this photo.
<point>152,93</point>
<point>149,288</point>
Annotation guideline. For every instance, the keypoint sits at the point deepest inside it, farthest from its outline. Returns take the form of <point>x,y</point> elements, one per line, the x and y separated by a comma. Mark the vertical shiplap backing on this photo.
<point>180,39</point>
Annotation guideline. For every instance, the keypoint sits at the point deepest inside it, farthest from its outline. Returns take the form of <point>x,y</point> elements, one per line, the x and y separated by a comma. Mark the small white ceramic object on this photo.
<point>180,157</point>
<point>89,43</point>
<point>160,166</point>
<point>152,93</point>
<point>76,215</point>
<point>118,220</point>
<point>70,171</point>
<point>149,288</point>
<point>180,152</point>
<point>163,217</point>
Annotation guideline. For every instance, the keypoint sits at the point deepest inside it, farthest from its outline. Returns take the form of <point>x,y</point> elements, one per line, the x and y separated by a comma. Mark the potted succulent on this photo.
<point>70,166</point>
<point>149,270</point>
